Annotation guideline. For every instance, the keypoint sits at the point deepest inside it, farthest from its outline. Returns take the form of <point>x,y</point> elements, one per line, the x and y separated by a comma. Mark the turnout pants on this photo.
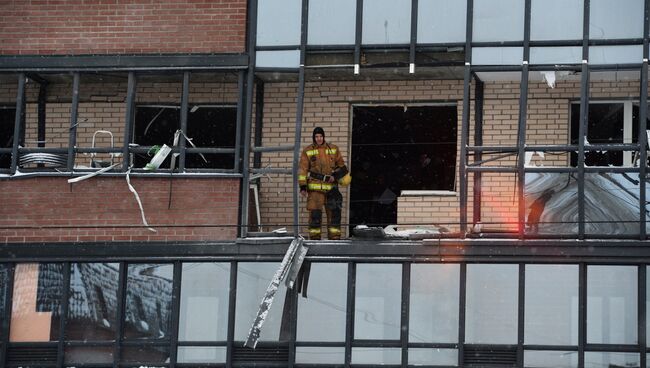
<point>315,202</point>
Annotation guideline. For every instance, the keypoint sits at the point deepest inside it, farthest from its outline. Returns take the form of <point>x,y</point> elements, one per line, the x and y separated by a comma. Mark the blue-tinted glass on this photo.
<point>332,22</point>
<point>441,21</point>
<point>148,301</point>
<point>278,22</point>
<point>386,22</point>
<point>93,301</point>
<point>615,19</point>
<point>498,20</point>
<point>556,19</point>
<point>205,290</point>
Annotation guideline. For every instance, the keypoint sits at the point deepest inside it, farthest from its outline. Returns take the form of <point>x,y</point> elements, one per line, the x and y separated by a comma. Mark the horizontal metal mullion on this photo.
<point>385,47</point>
<point>496,68</point>
<point>270,170</point>
<point>612,147</point>
<point>615,42</point>
<point>498,44</point>
<point>551,148</point>
<point>546,169</point>
<point>82,343</point>
<point>555,67</point>
<point>144,343</point>
<point>278,48</point>
<point>489,169</point>
<point>273,149</point>
<point>321,344</point>
<point>555,43</point>
<point>432,345</point>
<point>615,67</point>
<point>98,150</point>
<point>209,150</point>
<point>613,348</point>
<point>376,343</point>
<point>551,347</point>
<point>202,343</point>
<point>498,149</point>
<point>610,169</point>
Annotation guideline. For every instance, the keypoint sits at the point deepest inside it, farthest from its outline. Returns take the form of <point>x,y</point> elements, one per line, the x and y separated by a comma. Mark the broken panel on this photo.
<point>148,301</point>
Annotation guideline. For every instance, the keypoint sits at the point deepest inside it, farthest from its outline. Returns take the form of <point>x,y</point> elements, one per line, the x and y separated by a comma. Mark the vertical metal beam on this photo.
<point>584,118</point>
<point>64,303</point>
<point>643,119</point>
<point>349,316</point>
<point>240,118</point>
<point>18,121</point>
<point>4,320</point>
<point>259,122</point>
<point>414,35</point>
<point>406,298</point>
<point>119,313</point>
<point>582,313</point>
<point>185,96</point>
<point>232,299</point>
<point>462,298</point>
<point>358,36</point>
<point>128,120</point>
<point>293,325</point>
<point>478,141</point>
<point>464,131</point>
<point>42,104</point>
<point>74,109</point>
<point>521,303</point>
<point>299,109</point>
<point>642,308</point>
<point>176,307</point>
<point>521,138</point>
<point>246,143</point>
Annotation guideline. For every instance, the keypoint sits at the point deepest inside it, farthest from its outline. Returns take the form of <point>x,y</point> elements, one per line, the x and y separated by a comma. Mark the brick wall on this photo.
<point>103,209</point>
<point>72,27</point>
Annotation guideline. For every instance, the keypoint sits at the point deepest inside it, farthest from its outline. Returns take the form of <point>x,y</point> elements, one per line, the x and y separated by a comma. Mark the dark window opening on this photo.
<point>207,126</point>
<point>606,125</point>
<point>396,148</point>
<point>7,123</point>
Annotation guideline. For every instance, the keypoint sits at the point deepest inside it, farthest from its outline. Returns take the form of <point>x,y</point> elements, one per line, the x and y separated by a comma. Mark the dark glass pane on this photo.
<point>210,126</point>
<point>155,125</point>
<point>36,302</point>
<point>4,283</point>
<point>89,355</point>
<point>148,301</point>
<point>605,126</point>
<point>145,354</point>
<point>93,301</point>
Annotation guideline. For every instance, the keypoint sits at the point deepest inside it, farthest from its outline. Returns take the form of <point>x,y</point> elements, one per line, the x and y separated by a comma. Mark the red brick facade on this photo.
<point>103,209</point>
<point>69,27</point>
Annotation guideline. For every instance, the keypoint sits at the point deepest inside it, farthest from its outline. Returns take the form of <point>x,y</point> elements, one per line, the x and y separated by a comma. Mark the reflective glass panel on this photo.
<point>610,360</point>
<point>386,22</point>
<point>615,54</point>
<point>556,19</point>
<point>491,309</point>
<point>148,301</point>
<point>555,55</point>
<point>205,289</point>
<point>320,355</point>
<point>376,355</point>
<point>556,359</point>
<point>332,22</point>
<point>612,203</point>
<point>551,305</point>
<point>321,316</point>
<point>253,278</point>
<point>551,203</point>
<point>441,21</point>
<point>377,307</point>
<point>278,59</point>
<point>36,302</point>
<point>93,301</point>
<point>278,22</point>
<point>443,357</point>
<point>433,315</point>
<point>145,354</point>
<point>4,283</point>
<point>498,20</point>
<point>202,354</point>
<point>89,355</point>
<point>612,304</point>
<point>497,55</point>
<point>615,19</point>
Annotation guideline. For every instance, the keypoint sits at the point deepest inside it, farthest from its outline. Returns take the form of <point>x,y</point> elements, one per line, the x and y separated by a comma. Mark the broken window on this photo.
<point>207,126</point>
<point>7,123</point>
<point>609,123</point>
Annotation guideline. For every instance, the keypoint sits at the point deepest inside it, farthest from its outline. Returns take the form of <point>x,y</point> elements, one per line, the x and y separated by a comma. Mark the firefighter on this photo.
<point>321,168</point>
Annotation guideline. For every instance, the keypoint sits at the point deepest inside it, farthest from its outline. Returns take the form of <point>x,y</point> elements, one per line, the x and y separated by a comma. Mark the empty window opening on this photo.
<point>207,126</point>
<point>396,148</point>
<point>7,123</point>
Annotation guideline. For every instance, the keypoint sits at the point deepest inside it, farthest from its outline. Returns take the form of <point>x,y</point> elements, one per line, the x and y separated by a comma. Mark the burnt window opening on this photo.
<point>609,123</point>
<point>207,126</point>
<point>7,124</point>
<point>397,148</point>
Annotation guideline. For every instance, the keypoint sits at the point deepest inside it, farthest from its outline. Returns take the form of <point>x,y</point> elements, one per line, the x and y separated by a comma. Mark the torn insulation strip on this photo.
<point>267,301</point>
<point>137,198</point>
